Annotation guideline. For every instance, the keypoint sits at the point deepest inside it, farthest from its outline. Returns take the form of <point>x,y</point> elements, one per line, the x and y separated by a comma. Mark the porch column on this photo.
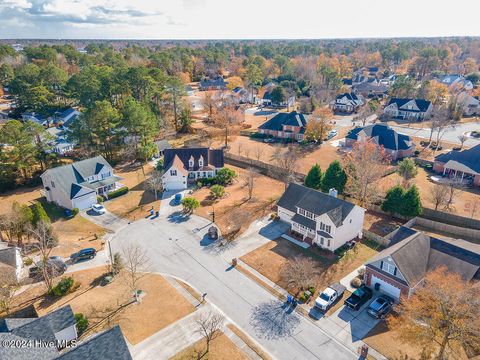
<point>463,174</point>
<point>444,170</point>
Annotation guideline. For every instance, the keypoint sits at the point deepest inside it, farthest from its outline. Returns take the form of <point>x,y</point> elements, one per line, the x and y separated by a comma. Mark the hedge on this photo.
<point>117,193</point>
<point>63,287</point>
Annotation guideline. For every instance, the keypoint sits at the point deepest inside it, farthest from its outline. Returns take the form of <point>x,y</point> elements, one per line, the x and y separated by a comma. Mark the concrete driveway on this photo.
<point>108,220</point>
<point>177,245</point>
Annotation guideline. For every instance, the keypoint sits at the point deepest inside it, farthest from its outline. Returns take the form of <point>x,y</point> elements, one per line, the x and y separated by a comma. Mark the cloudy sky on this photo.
<point>239,19</point>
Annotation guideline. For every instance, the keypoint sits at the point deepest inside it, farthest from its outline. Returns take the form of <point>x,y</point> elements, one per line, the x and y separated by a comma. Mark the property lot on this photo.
<point>220,348</point>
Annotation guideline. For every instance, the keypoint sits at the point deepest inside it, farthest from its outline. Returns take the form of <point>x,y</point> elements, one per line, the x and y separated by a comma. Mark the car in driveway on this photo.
<point>55,265</point>
<point>84,254</point>
<point>359,297</point>
<point>332,134</point>
<point>98,209</point>
<point>380,307</point>
<point>329,296</point>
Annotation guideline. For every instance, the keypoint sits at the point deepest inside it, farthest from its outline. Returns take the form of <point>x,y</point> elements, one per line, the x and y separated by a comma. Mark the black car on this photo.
<point>380,307</point>
<point>359,297</point>
<point>84,254</point>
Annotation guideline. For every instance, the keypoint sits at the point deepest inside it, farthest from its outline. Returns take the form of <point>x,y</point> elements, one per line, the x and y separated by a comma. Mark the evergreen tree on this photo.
<point>411,204</point>
<point>39,214</point>
<point>335,177</point>
<point>314,177</point>
<point>394,199</point>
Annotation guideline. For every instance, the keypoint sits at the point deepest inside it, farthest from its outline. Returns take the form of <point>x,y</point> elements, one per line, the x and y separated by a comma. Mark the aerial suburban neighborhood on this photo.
<point>298,194</point>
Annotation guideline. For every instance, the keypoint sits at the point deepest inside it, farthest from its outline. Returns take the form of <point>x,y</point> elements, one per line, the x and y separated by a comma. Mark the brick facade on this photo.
<point>369,271</point>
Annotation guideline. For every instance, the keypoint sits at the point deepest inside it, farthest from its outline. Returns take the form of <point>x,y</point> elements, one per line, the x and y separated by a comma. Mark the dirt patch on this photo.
<point>220,348</point>
<point>98,303</point>
<point>380,224</point>
<point>271,257</point>
<point>234,212</point>
<point>22,195</point>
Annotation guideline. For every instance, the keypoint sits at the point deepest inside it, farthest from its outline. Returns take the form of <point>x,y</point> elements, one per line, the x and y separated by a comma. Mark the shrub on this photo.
<point>39,214</point>
<point>312,290</point>
<point>417,152</point>
<point>159,165</point>
<point>356,282</point>
<point>117,265</point>
<point>82,323</point>
<point>217,191</point>
<point>361,272</point>
<point>99,199</point>
<point>206,182</point>
<point>27,261</point>
<point>63,287</point>
<point>190,204</point>
<point>117,193</point>
<point>75,211</point>
<point>302,298</point>
<point>225,176</point>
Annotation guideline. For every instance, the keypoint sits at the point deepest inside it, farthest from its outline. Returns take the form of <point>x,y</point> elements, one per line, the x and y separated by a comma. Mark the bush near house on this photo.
<point>81,322</point>
<point>225,176</point>
<point>117,193</point>
<point>63,287</point>
<point>99,199</point>
<point>75,211</point>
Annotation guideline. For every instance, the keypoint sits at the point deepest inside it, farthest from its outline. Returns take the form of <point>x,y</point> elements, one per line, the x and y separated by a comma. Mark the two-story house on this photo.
<point>410,109</point>
<point>319,218</point>
<point>188,164</point>
<point>401,268</point>
<point>456,81</point>
<point>213,84</point>
<point>285,125</point>
<point>347,103</point>
<point>77,185</point>
<point>470,104</point>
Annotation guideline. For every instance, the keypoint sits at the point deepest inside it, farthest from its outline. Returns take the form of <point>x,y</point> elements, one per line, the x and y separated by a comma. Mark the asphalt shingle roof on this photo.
<point>468,157</point>
<point>277,122</point>
<point>421,104</point>
<point>213,157</point>
<point>384,135</point>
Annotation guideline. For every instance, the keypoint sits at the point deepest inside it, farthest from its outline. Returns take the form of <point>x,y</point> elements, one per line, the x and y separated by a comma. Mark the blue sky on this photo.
<point>244,19</point>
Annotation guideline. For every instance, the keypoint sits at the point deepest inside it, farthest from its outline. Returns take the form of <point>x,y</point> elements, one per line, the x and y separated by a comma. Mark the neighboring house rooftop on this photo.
<point>217,82</point>
<point>315,202</point>
<point>421,104</point>
<point>8,255</point>
<point>277,122</point>
<point>352,98</point>
<point>162,145</point>
<point>418,254</point>
<point>384,136</point>
<point>109,345</point>
<point>378,88</point>
<point>213,157</point>
<point>468,157</point>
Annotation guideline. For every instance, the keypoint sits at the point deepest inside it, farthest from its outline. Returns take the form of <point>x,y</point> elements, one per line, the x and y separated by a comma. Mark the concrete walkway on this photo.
<point>108,220</point>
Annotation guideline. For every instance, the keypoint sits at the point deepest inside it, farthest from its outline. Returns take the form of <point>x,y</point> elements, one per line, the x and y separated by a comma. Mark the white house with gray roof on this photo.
<point>319,218</point>
<point>77,185</point>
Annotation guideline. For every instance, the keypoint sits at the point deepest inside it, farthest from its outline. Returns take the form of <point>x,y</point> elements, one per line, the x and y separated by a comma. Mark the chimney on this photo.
<point>333,192</point>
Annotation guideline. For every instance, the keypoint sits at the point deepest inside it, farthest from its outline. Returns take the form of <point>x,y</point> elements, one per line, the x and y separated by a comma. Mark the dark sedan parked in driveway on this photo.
<point>84,254</point>
<point>359,297</point>
<point>380,307</point>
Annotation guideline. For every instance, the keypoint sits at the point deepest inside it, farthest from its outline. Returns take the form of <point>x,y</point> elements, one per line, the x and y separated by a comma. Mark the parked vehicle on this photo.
<point>213,233</point>
<point>84,254</point>
<point>269,140</point>
<point>332,134</point>
<point>380,307</point>
<point>359,297</point>
<point>177,199</point>
<point>99,209</point>
<point>55,265</point>
<point>329,296</point>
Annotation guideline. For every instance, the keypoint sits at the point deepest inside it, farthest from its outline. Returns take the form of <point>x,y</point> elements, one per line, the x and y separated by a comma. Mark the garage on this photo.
<point>85,201</point>
<point>386,288</point>
<point>175,184</point>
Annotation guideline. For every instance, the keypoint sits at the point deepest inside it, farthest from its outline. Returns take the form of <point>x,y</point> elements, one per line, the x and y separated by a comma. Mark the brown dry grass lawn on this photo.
<point>234,212</point>
<point>137,202</point>
<point>221,348</point>
<point>271,257</point>
<point>138,321</point>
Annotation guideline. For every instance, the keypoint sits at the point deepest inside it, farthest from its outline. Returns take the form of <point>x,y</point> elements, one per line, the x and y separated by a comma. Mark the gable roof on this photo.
<point>384,135</point>
<point>421,104</point>
<point>108,345</point>
<point>70,177</point>
<point>377,88</point>
<point>419,254</point>
<point>217,82</point>
<point>277,122</point>
<point>468,157</point>
<point>8,255</point>
<point>351,97</point>
<point>315,202</point>
<point>213,157</point>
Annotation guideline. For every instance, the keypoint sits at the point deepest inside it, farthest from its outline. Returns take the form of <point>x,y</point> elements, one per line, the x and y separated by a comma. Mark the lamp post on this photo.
<point>213,213</point>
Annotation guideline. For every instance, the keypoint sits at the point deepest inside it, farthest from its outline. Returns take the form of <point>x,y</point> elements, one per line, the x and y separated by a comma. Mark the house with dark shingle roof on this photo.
<point>401,268</point>
<point>188,164</point>
<point>77,185</point>
<point>396,145</point>
<point>347,103</point>
<point>371,89</point>
<point>319,218</point>
<point>57,333</point>
<point>464,164</point>
<point>213,84</point>
<point>285,125</point>
<point>412,109</point>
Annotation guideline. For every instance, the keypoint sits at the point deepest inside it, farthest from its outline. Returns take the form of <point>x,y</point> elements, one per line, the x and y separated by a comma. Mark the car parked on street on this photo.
<point>98,209</point>
<point>84,254</point>
<point>380,307</point>
<point>359,297</point>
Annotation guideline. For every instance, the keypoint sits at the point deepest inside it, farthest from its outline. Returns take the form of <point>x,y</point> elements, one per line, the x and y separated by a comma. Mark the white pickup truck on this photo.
<point>329,296</point>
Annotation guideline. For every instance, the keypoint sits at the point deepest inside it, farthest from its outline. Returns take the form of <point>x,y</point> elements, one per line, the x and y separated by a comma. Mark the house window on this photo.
<point>91,178</point>
<point>173,172</point>
<point>328,243</point>
<point>200,162</point>
<point>391,269</point>
<point>322,226</point>
<point>53,184</point>
<point>322,240</point>
<point>106,175</point>
<point>204,174</point>
<point>328,228</point>
<point>190,163</point>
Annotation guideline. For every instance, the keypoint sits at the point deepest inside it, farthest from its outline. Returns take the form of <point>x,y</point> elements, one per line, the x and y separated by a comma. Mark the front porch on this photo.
<point>105,186</point>
<point>302,233</point>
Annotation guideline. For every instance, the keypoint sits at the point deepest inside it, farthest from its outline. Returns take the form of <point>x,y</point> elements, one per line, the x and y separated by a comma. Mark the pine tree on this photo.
<point>39,214</point>
<point>335,177</point>
<point>394,199</point>
<point>314,177</point>
<point>411,204</point>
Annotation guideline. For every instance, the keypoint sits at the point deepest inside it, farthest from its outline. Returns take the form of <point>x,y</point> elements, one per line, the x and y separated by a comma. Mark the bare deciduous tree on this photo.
<point>299,272</point>
<point>286,163</point>
<point>154,182</point>
<point>462,139</point>
<point>258,152</point>
<point>319,124</point>
<point>136,264</point>
<point>441,121</point>
<point>438,195</point>
<point>9,287</point>
<point>249,179</point>
<point>239,148</point>
<point>210,325</point>
<point>228,115</point>
<point>454,187</point>
<point>209,103</point>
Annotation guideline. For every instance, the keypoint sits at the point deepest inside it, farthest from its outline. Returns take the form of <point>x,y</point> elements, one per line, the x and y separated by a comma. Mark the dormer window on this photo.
<point>91,178</point>
<point>190,162</point>
<point>389,268</point>
<point>200,161</point>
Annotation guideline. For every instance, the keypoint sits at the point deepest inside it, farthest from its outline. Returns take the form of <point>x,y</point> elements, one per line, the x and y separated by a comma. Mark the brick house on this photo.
<point>396,145</point>
<point>463,165</point>
<point>401,268</point>
<point>285,125</point>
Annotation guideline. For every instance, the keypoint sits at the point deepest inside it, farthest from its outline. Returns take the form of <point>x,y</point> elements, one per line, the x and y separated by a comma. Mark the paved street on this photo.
<point>178,245</point>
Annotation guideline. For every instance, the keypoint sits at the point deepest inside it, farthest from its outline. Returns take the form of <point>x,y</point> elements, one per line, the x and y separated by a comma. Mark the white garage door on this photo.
<point>386,288</point>
<point>176,185</point>
<point>85,201</point>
